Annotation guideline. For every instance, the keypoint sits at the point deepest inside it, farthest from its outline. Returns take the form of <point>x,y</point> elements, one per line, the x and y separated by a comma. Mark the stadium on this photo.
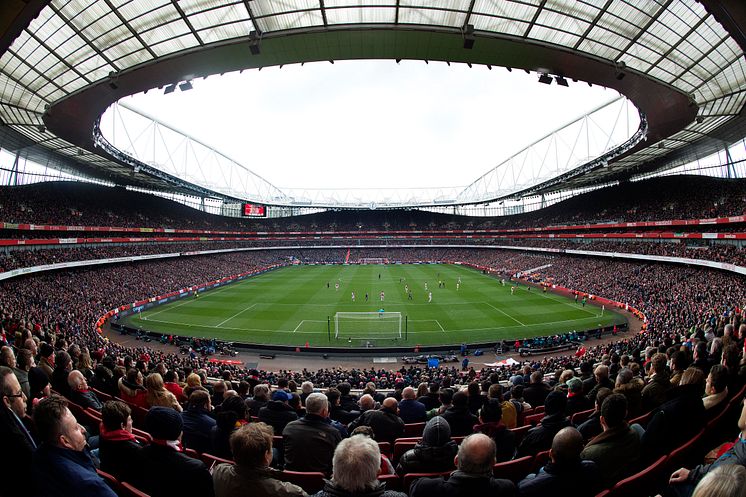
<point>214,310</point>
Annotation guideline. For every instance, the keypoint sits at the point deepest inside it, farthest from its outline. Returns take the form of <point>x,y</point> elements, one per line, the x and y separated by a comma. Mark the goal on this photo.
<point>367,325</point>
<point>373,260</point>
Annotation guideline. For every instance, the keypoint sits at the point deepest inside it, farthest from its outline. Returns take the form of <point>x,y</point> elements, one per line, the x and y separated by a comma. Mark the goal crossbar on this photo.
<point>368,325</point>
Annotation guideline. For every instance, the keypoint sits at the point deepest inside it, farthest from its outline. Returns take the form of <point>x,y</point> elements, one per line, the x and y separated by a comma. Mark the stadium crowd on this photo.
<point>692,346</point>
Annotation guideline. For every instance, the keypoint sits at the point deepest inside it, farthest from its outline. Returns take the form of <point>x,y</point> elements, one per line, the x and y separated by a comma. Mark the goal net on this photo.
<point>367,325</point>
<point>373,260</point>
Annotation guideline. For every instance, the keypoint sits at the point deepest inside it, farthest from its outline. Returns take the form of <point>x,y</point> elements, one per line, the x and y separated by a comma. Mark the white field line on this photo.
<point>427,321</point>
<point>441,326</point>
<point>236,314</point>
<point>504,313</point>
<point>189,299</point>
<point>308,321</point>
<point>562,301</point>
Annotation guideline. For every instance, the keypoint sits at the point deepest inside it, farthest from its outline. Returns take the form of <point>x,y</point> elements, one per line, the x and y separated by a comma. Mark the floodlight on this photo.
<point>254,39</point>
<point>546,79</point>
<point>469,37</point>
<point>561,81</point>
<point>185,86</point>
<point>169,89</point>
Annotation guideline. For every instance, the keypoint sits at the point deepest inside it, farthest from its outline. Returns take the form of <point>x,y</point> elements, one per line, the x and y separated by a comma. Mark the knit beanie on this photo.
<point>163,423</point>
<point>437,432</point>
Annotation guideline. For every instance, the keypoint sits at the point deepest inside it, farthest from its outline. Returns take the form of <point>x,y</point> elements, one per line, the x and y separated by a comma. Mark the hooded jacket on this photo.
<point>379,490</point>
<point>434,453</point>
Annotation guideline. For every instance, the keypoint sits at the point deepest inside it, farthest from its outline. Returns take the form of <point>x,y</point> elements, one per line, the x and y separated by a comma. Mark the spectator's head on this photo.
<point>555,403</point>
<point>731,357</point>
<point>693,376</point>
<point>364,430</point>
<point>408,394</point>
<point>116,415</point>
<point>62,360</point>
<point>473,389</point>
<point>566,375</point>
<point>601,396</point>
<point>56,425</point>
<point>575,386</point>
<point>445,396</point>
<point>566,446</point>
<point>356,463</point>
<point>717,380</point>
<point>76,381</point>
<point>367,402</point>
<point>7,358</point>
<point>333,396</point>
<point>700,350</point>
<point>537,377</point>
<point>169,376</point>
<point>13,396</point>
<point>194,381</point>
<point>251,445</point>
<point>495,392</point>
<point>200,399</point>
<point>601,372</point>
<point>317,404</point>
<point>47,352</point>
<point>261,392</point>
<point>491,411</point>
<point>282,396</point>
<point>437,432</point>
<point>517,392</point>
<point>658,363</point>
<point>164,423</point>
<point>38,382</point>
<point>391,404</point>
<point>231,410</point>
<point>476,455</point>
<point>25,360</point>
<point>623,377</point>
<point>306,387</point>
<point>613,411</point>
<point>679,360</point>
<point>344,388</point>
<point>727,480</point>
<point>460,399</point>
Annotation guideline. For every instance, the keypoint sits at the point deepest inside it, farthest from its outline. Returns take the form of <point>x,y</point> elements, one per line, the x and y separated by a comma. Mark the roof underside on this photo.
<point>672,58</point>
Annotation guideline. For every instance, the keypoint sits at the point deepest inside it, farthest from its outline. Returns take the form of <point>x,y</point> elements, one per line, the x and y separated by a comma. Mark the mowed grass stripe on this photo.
<point>290,306</point>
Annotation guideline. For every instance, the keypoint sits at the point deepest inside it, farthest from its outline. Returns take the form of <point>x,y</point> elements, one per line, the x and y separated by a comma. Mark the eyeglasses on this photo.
<point>20,394</point>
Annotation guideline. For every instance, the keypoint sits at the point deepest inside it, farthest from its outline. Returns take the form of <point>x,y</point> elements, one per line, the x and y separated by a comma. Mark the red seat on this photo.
<point>520,432</point>
<point>458,440</point>
<point>142,434</point>
<point>213,461</point>
<point>103,397</point>
<point>538,409</point>
<point>112,482</point>
<point>385,448</point>
<point>393,482</point>
<point>138,416</point>
<point>682,456</point>
<point>540,460</point>
<point>534,419</point>
<point>128,490</point>
<point>514,470</point>
<point>414,429</point>
<point>522,416</point>
<point>411,477</point>
<point>642,420</point>
<point>642,483</point>
<point>399,449</point>
<point>310,481</point>
<point>581,416</point>
<point>192,453</point>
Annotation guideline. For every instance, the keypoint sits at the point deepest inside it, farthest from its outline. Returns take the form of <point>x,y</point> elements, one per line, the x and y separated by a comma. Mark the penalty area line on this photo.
<point>505,313</point>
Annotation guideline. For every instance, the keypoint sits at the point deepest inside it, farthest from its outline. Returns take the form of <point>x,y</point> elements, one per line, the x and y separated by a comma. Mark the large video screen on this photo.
<point>254,210</point>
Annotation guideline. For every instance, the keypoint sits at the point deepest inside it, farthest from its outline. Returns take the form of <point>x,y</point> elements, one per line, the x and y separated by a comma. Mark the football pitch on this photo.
<point>297,305</point>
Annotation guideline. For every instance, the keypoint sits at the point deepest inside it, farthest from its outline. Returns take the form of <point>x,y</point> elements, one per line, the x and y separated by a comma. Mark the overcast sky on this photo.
<point>362,124</point>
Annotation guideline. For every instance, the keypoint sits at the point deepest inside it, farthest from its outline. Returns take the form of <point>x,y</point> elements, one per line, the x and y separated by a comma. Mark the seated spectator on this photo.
<point>679,363</point>
<point>683,481</point>
<point>540,437</point>
<point>336,411</point>
<point>490,423</point>
<point>576,401</point>
<point>193,383</point>
<point>601,374</point>
<point>516,396</point>
<point>157,394</point>
<point>346,401</point>
<point>218,392</point>
<point>410,410</point>
<point>565,473</point>
<point>679,419</point>
<point>631,387</point>
<point>251,446</point>
<point>702,358</point>
<point>80,393</point>
<point>430,400</point>
<point>723,481</point>
<point>355,470</point>
<point>386,423</point>
<point>198,423</point>
<point>476,456</point>
<point>259,400</point>
<point>716,389</point>
<point>24,362</point>
<point>306,389</point>
<point>476,399</point>
<point>118,450</point>
<point>510,408</point>
<point>278,412</point>
<point>62,464</point>
<point>445,397</point>
<point>592,426</point>
<point>435,452</point>
<point>616,451</point>
<point>170,383</point>
<point>39,387</point>
<point>309,442</point>
<point>458,416</point>
<point>537,390</point>
<point>132,390</point>
<point>655,392</point>
<point>46,359</point>
<point>229,416</point>
<point>166,470</point>
<point>370,389</point>
<point>386,467</point>
<point>366,403</point>
<point>17,442</point>
<point>63,364</point>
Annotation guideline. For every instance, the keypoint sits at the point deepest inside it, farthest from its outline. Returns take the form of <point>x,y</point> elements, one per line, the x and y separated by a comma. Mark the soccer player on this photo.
<point>410,296</point>
<point>458,285</point>
<point>383,296</point>
<point>336,287</point>
<point>406,288</point>
<point>429,297</point>
<point>353,296</point>
<point>366,296</point>
<point>426,286</point>
<point>512,290</point>
<point>380,312</point>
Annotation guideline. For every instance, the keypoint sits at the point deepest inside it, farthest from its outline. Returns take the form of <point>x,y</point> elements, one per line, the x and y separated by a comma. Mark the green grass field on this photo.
<point>290,306</point>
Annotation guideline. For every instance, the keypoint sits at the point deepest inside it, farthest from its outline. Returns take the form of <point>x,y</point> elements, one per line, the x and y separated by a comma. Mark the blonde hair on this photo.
<point>193,380</point>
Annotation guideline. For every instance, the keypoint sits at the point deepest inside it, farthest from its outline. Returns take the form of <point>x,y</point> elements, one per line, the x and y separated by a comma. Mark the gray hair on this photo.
<point>356,463</point>
<point>261,391</point>
<point>306,387</point>
<point>476,454</point>
<point>316,402</point>
<point>728,480</point>
<point>74,379</point>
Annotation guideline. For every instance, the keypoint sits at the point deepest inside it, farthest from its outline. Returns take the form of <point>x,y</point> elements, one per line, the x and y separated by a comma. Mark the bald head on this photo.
<point>408,393</point>
<point>367,402</point>
<point>601,372</point>
<point>76,380</point>
<point>566,446</point>
<point>390,403</point>
<point>476,455</point>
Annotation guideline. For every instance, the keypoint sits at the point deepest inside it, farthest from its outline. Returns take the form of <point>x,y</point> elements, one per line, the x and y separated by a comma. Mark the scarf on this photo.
<point>174,444</point>
<point>115,435</point>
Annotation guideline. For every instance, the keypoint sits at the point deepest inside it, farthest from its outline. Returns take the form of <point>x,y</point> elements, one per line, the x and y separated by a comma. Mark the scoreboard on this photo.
<point>254,210</point>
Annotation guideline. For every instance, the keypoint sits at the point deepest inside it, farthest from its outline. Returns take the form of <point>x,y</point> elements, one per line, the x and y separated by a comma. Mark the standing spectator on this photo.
<point>476,456</point>
<point>119,451</point>
<point>435,452</point>
<point>565,473</point>
<point>62,464</point>
<point>410,410</point>
<point>251,446</point>
<point>278,412</point>
<point>458,416</point>
<point>386,423</point>
<point>310,441</point>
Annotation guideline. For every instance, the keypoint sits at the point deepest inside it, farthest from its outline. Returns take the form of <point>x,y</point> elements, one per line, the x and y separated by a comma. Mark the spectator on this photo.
<point>80,393</point>
<point>18,444</point>
<point>229,416</point>
<point>716,389</point>
<point>655,392</point>
<point>38,386</point>
<point>540,437</point>
<point>430,400</point>
<point>592,426</point>
<point>476,456</point>
<point>62,464</point>
<point>157,395</point>
<point>132,390</point>
<point>306,389</point>
<point>490,423</point>
<point>601,373</point>
<point>435,452</point>
<point>194,382</point>
<point>702,357</point>
<point>172,386</point>
<point>631,387</point>
<point>386,423</point>
<point>723,481</point>
<point>576,401</point>
<point>166,470</point>
<point>251,446</point>
<point>278,412</point>
<point>565,473</point>
<point>24,363</point>
<point>476,399</point>
<point>119,451</point>
<point>366,403</point>
<point>197,422</point>
<point>63,364</point>
<point>336,411</point>
<point>346,401</point>
<point>458,416</point>
<point>386,467</point>
<point>46,359</point>
<point>536,392</point>
<point>355,470</point>
<point>510,408</point>
<point>616,450</point>
<point>410,410</point>
<point>259,400</point>
<point>309,442</point>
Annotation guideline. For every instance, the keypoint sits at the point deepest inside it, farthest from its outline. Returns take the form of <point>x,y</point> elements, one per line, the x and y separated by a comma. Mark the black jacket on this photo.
<point>460,420</point>
<point>331,490</point>
<point>676,421</point>
<point>430,401</point>
<point>309,444</point>
<point>277,414</point>
<point>15,456</point>
<point>540,437</point>
<point>460,484</point>
<point>504,439</point>
<point>536,393</point>
<point>387,425</point>
<point>121,458</point>
<point>167,473</point>
<point>198,425</point>
<point>555,480</point>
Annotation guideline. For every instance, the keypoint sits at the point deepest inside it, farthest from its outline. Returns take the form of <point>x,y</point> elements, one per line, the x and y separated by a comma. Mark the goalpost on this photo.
<point>368,325</point>
<point>373,260</point>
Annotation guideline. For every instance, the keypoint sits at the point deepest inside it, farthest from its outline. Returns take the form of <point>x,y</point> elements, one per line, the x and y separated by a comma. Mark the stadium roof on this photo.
<point>64,62</point>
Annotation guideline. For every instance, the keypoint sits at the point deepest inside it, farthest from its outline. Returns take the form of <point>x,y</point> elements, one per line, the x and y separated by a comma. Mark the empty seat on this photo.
<point>310,481</point>
<point>514,470</point>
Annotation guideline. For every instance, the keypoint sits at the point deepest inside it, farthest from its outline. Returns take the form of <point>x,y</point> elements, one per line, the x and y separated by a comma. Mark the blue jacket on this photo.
<point>580,480</point>
<point>197,427</point>
<point>412,411</point>
<point>62,472</point>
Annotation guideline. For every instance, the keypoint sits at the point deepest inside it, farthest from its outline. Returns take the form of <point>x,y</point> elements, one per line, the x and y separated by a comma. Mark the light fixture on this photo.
<point>561,81</point>
<point>185,86</point>
<point>254,40</point>
<point>545,78</point>
<point>700,119</point>
<point>169,89</point>
<point>619,68</point>
<point>469,37</point>
<point>398,60</point>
